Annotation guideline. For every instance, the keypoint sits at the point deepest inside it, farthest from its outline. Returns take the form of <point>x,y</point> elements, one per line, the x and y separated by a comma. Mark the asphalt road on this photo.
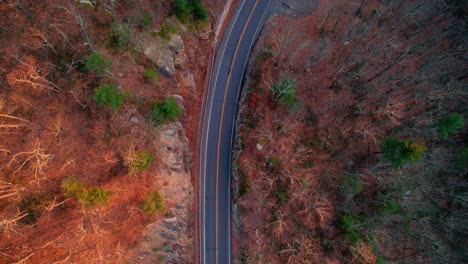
<point>218,124</point>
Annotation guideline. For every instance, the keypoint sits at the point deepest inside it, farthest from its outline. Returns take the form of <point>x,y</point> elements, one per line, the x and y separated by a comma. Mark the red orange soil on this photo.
<point>349,95</point>
<point>75,136</point>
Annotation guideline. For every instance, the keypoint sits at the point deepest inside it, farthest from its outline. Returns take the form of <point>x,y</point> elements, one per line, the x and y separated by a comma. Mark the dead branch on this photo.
<point>110,7</point>
<point>8,189</point>
<point>53,205</point>
<point>6,124</point>
<point>392,111</point>
<point>81,23</point>
<point>23,260</point>
<point>31,75</point>
<point>12,223</point>
<point>37,157</point>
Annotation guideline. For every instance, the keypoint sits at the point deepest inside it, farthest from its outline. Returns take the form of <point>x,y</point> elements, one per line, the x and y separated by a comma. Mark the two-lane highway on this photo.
<point>218,124</point>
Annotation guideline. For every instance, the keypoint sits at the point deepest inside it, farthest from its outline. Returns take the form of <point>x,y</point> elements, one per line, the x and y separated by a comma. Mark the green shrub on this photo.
<point>32,204</point>
<point>138,160</point>
<point>182,8</point>
<point>107,95</point>
<point>93,195</point>
<point>351,225</point>
<point>146,20</point>
<point>164,31</point>
<point>398,152</point>
<point>72,187</point>
<point>163,111</point>
<point>380,259</point>
<point>196,8</point>
<point>284,92</point>
<point>348,222</point>
<point>281,196</point>
<point>168,214</point>
<point>122,36</point>
<point>388,205</point>
<point>449,125</point>
<point>272,161</point>
<point>97,63</point>
<point>199,10</point>
<point>264,54</point>
<point>351,184</point>
<point>154,202</point>
<point>461,158</point>
<point>150,74</point>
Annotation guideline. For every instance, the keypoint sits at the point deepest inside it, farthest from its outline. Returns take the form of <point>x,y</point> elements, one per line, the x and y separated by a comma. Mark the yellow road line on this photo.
<point>221,121</point>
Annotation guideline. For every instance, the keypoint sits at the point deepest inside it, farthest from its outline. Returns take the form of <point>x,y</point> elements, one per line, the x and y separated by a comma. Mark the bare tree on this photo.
<point>72,10</point>
<point>29,73</point>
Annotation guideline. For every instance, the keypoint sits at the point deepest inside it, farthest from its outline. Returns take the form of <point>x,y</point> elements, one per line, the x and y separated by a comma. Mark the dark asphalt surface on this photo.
<point>218,124</point>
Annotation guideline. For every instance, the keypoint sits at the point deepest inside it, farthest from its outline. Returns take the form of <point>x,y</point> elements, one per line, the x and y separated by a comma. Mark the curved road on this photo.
<point>218,124</point>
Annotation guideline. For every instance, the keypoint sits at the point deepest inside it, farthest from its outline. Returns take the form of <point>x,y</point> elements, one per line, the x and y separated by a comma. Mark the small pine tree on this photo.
<point>150,74</point>
<point>154,202</point>
<point>163,111</point>
<point>122,36</point>
<point>351,185</point>
<point>97,63</point>
<point>284,92</point>
<point>72,186</point>
<point>182,8</point>
<point>185,8</point>
<point>450,124</point>
<point>199,10</point>
<point>137,160</point>
<point>399,152</point>
<point>107,95</point>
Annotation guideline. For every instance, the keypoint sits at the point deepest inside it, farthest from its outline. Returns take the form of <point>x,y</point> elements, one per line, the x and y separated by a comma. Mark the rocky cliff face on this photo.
<point>169,238</point>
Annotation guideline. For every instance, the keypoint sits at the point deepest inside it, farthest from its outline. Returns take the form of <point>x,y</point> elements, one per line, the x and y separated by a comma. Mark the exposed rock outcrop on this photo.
<point>169,238</point>
<point>166,54</point>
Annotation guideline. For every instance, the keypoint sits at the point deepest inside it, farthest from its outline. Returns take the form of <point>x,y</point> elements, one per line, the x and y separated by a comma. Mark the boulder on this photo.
<point>160,54</point>
<point>176,43</point>
<point>166,54</point>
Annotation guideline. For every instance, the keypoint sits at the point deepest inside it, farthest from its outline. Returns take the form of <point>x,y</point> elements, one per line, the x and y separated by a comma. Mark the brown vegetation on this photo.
<point>348,165</point>
<point>53,127</point>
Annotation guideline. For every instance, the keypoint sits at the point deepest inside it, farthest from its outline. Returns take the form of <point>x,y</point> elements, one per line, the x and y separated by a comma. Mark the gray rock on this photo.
<point>171,223</point>
<point>159,52</point>
<point>179,100</point>
<point>176,43</point>
<point>134,120</point>
<point>170,220</point>
<point>168,235</point>
<point>180,59</point>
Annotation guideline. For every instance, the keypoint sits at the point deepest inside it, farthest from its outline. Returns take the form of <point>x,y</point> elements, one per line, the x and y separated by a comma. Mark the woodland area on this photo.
<point>352,140</point>
<point>94,161</point>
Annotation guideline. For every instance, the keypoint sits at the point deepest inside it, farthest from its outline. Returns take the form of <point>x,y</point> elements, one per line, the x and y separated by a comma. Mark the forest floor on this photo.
<point>84,182</point>
<point>311,179</point>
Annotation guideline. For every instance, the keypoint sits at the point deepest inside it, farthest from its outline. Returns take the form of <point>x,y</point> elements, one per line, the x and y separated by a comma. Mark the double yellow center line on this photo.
<point>221,122</point>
